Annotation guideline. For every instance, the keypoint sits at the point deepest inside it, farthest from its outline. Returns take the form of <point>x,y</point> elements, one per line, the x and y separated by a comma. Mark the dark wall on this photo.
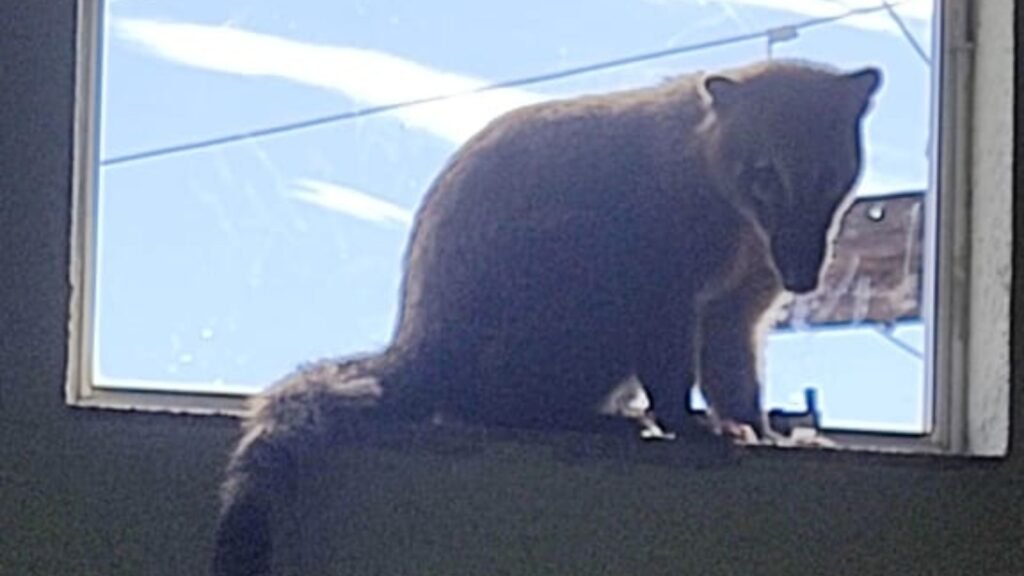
<point>85,493</point>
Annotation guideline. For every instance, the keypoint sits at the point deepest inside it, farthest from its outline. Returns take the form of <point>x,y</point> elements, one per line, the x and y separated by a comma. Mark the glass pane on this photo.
<point>261,163</point>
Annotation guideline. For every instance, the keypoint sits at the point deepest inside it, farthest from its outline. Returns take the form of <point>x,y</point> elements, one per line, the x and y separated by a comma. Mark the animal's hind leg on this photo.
<point>666,370</point>
<point>630,401</point>
<point>568,403</point>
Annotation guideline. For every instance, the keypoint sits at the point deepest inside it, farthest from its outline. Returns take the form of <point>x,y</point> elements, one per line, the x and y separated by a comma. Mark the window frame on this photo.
<point>967,359</point>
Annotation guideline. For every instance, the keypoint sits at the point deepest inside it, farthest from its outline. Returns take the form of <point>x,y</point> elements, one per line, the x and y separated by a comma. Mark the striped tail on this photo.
<point>320,404</point>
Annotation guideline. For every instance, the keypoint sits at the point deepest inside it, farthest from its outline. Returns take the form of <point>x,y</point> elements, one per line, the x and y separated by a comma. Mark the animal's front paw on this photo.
<point>747,432</point>
<point>738,432</point>
<point>747,435</point>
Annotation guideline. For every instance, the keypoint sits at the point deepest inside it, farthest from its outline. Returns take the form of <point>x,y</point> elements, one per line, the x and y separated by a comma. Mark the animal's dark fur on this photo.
<point>572,245</point>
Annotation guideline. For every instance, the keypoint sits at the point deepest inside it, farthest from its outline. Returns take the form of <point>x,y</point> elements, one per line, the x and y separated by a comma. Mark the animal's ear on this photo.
<point>719,90</point>
<point>864,82</point>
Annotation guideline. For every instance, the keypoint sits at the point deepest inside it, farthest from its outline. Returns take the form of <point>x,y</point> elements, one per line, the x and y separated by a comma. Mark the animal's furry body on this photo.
<point>574,244</point>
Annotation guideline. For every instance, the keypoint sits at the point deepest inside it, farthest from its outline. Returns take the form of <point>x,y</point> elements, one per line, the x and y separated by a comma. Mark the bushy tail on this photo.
<point>320,404</point>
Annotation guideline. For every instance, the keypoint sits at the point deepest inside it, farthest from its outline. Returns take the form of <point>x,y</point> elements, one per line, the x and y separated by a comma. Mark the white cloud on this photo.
<point>375,78</point>
<point>351,202</point>
<point>368,76</point>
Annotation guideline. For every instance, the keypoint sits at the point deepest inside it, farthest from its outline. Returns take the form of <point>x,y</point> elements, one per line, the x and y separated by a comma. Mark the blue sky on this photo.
<point>225,266</point>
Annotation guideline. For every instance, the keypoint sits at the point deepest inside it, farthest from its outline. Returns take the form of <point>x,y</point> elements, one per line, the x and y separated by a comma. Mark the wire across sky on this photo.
<point>319,121</point>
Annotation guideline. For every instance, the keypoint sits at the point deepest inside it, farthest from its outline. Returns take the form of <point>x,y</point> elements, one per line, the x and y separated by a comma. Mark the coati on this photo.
<point>572,245</point>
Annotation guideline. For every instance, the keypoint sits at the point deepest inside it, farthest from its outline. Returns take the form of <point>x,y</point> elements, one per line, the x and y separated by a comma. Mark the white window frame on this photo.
<point>969,357</point>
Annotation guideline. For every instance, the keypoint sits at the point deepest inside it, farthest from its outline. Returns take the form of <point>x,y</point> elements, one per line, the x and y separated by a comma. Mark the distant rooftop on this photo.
<point>875,275</point>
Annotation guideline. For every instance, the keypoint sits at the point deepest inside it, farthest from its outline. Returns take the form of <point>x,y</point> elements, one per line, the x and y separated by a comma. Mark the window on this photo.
<point>247,177</point>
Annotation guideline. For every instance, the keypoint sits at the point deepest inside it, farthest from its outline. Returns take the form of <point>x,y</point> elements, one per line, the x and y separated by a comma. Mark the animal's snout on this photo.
<point>801,284</point>
<point>799,259</point>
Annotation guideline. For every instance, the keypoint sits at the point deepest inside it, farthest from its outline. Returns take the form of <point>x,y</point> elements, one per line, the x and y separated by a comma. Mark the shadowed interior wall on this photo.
<point>100,493</point>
